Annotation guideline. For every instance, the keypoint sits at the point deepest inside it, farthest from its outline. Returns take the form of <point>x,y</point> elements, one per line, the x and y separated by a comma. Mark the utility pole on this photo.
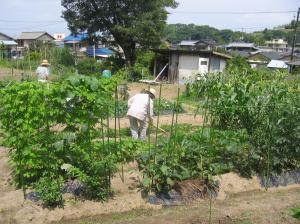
<point>295,34</point>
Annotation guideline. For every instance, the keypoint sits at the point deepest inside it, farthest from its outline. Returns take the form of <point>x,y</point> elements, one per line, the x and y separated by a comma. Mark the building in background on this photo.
<point>59,39</point>
<point>77,43</point>
<point>26,38</point>
<point>100,54</point>
<point>8,46</point>
<point>204,44</point>
<point>241,49</point>
<point>260,59</point>
<point>34,41</point>
<point>278,45</point>
<point>186,65</point>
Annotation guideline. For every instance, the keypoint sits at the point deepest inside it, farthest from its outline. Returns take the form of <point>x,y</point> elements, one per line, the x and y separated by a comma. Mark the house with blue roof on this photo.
<point>80,45</point>
<point>99,53</point>
<point>77,42</point>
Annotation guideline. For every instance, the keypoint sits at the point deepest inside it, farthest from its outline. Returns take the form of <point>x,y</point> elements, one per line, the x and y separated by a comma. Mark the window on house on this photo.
<point>203,62</point>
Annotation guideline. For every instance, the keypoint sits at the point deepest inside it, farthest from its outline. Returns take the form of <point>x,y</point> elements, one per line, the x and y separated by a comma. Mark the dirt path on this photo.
<point>259,207</point>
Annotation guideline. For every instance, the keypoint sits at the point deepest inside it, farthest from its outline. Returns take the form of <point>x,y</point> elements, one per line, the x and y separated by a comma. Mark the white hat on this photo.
<point>151,91</point>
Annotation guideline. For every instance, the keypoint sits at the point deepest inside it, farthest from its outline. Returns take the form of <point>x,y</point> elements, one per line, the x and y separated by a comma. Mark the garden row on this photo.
<point>59,132</point>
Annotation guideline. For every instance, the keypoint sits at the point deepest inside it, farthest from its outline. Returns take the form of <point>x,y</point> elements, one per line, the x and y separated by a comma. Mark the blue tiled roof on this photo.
<point>99,51</point>
<point>77,37</point>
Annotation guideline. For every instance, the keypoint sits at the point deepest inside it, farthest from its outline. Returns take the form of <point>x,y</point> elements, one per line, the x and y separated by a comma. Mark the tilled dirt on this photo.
<point>14,209</point>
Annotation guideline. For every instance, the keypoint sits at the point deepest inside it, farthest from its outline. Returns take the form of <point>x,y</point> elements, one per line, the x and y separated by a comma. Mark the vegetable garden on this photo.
<point>60,131</point>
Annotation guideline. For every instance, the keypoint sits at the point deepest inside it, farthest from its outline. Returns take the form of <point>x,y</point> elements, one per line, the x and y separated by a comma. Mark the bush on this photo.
<point>89,66</point>
<point>61,57</point>
<point>49,191</point>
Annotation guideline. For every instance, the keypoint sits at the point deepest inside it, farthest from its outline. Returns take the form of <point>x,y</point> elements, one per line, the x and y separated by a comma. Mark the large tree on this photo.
<point>127,23</point>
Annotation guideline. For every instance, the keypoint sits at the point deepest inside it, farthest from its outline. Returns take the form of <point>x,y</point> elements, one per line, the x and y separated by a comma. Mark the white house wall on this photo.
<point>187,67</point>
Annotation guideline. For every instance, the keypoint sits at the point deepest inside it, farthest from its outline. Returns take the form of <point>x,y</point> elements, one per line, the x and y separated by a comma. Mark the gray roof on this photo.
<point>8,37</point>
<point>288,54</point>
<point>296,63</point>
<point>270,55</point>
<point>195,42</point>
<point>32,35</point>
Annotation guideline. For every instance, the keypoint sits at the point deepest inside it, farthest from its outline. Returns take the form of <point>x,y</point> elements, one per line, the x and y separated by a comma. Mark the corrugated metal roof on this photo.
<point>32,35</point>
<point>8,42</point>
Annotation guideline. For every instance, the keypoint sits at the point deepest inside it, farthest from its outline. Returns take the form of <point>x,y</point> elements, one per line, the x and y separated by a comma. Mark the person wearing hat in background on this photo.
<point>140,106</point>
<point>42,71</point>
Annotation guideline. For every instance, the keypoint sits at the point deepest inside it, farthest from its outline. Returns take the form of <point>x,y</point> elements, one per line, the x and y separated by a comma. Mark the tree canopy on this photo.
<point>178,32</point>
<point>127,23</point>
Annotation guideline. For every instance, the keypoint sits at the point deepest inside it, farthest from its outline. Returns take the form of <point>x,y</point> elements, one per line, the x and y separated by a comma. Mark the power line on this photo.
<point>233,13</point>
<point>29,21</point>
<point>33,27</point>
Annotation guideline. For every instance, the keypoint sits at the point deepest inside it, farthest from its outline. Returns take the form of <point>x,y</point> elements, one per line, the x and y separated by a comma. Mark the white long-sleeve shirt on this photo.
<point>42,73</point>
<point>138,106</point>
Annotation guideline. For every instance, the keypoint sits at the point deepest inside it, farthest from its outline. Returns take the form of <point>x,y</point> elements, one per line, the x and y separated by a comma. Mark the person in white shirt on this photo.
<point>140,107</point>
<point>42,71</point>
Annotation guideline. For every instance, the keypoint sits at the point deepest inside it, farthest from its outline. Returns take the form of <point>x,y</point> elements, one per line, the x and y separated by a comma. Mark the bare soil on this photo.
<point>169,91</point>
<point>239,200</point>
<point>261,207</point>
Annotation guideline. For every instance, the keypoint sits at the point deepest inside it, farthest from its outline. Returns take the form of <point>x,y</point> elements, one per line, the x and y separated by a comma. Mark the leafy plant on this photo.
<point>296,212</point>
<point>49,190</point>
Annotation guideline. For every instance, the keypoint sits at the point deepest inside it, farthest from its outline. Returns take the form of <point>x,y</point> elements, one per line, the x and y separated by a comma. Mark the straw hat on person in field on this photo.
<point>151,92</point>
<point>45,63</point>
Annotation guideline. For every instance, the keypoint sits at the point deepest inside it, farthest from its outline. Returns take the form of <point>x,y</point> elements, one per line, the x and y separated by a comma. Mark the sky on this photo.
<point>45,15</point>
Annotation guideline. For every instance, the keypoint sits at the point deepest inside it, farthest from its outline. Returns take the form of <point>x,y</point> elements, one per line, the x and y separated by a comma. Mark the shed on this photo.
<point>185,65</point>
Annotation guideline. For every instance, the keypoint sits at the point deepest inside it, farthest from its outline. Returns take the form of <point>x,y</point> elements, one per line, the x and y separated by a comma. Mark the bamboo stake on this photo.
<point>116,105</point>
<point>158,116</point>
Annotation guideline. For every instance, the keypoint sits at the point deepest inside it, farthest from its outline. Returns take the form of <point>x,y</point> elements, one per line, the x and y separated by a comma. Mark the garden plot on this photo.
<point>237,133</point>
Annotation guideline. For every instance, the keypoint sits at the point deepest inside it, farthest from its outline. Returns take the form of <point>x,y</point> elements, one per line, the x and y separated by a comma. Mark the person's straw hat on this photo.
<point>152,92</point>
<point>45,62</point>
